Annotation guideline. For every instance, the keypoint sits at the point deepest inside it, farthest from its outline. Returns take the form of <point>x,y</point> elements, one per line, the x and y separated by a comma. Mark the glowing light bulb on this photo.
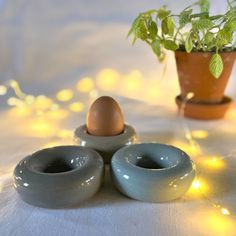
<point>76,106</point>
<point>65,95</point>
<point>196,184</point>
<point>85,85</point>
<point>189,96</point>
<point>3,90</point>
<point>224,211</point>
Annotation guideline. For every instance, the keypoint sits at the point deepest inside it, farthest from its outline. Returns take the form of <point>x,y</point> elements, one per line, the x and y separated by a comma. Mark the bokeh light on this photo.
<point>65,95</point>
<point>85,85</point>
<point>42,102</point>
<point>41,128</point>
<point>13,101</point>
<point>57,114</point>
<point>213,162</point>
<point>20,111</point>
<point>199,134</point>
<point>192,150</point>
<point>76,106</point>
<point>108,79</point>
<point>224,211</point>
<point>3,90</point>
<point>133,81</point>
<point>65,134</point>
<point>199,188</point>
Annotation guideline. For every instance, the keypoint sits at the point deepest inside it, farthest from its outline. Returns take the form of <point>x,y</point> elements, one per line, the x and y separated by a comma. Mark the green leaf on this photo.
<point>208,38</point>
<point>156,47</point>
<point>164,26</point>
<point>200,15</point>
<point>204,5</point>
<point>231,25</point>
<point>216,65</point>
<point>231,13</point>
<point>162,13</point>
<point>202,24</point>
<point>170,45</point>
<point>171,26</point>
<point>224,37</point>
<point>216,17</point>
<point>134,25</point>
<point>168,26</point>
<point>152,28</point>
<point>139,28</point>
<point>184,17</point>
<point>188,43</point>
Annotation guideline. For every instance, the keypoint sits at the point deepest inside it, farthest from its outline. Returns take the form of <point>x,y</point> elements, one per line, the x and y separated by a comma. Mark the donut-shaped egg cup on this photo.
<point>152,172</point>
<point>106,146</point>
<point>59,177</point>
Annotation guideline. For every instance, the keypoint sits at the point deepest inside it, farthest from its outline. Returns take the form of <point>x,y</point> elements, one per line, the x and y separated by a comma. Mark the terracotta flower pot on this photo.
<point>208,92</point>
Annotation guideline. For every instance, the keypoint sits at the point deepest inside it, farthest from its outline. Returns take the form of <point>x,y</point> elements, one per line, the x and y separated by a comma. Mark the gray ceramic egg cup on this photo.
<point>152,172</point>
<point>59,177</point>
<point>105,145</point>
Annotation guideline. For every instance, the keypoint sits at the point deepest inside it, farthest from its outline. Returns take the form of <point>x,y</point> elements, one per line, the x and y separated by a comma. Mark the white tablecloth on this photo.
<point>109,212</point>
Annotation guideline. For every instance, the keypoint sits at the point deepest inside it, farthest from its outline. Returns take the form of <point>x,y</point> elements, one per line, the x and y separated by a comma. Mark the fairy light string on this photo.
<point>43,105</point>
<point>194,144</point>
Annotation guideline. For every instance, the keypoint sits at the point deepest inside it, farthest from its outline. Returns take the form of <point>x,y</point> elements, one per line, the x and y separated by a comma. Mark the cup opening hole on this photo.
<point>57,166</point>
<point>148,163</point>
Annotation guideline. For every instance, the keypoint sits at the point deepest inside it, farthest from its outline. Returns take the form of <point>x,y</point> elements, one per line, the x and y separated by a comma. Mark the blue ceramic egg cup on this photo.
<point>59,177</point>
<point>64,176</point>
<point>152,172</point>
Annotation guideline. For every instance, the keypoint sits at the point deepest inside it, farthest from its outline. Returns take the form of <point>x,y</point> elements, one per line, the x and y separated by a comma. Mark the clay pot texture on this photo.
<point>194,75</point>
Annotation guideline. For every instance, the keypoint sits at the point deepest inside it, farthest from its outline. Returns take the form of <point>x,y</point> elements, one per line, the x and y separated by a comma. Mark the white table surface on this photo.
<point>109,212</point>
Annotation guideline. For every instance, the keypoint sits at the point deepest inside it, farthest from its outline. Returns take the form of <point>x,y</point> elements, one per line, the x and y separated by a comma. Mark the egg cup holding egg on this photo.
<point>105,130</point>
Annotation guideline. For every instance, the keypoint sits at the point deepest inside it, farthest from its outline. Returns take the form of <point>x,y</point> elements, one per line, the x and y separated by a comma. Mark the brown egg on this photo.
<point>105,117</point>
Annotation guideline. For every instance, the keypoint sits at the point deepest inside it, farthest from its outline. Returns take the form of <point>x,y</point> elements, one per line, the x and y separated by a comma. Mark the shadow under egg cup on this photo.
<point>106,146</point>
<point>152,172</point>
<point>59,177</point>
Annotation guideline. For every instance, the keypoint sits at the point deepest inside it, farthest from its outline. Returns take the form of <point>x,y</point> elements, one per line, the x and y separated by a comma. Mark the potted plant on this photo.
<point>204,47</point>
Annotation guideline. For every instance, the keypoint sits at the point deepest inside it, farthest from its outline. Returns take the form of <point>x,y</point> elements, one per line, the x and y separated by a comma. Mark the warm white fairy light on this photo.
<point>47,108</point>
<point>225,211</point>
<point>196,184</point>
<point>215,162</point>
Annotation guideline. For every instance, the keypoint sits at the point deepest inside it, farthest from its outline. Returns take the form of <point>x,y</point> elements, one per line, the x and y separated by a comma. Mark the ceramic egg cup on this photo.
<point>59,177</point>
<point>106,146</point>
<point>152,172</point>
<point>67,175</point>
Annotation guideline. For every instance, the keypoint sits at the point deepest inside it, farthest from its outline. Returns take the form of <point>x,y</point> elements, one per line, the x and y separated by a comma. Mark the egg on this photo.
<point>105,118</point>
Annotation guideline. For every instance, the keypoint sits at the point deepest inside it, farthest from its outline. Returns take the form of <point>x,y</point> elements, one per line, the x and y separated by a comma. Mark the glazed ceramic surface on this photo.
<point>152,172</point>
<point>59,177</point>
<point>105,145</point>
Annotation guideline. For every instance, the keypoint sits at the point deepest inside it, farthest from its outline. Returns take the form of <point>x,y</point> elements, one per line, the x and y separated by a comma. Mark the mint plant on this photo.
<point>188,31</point>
